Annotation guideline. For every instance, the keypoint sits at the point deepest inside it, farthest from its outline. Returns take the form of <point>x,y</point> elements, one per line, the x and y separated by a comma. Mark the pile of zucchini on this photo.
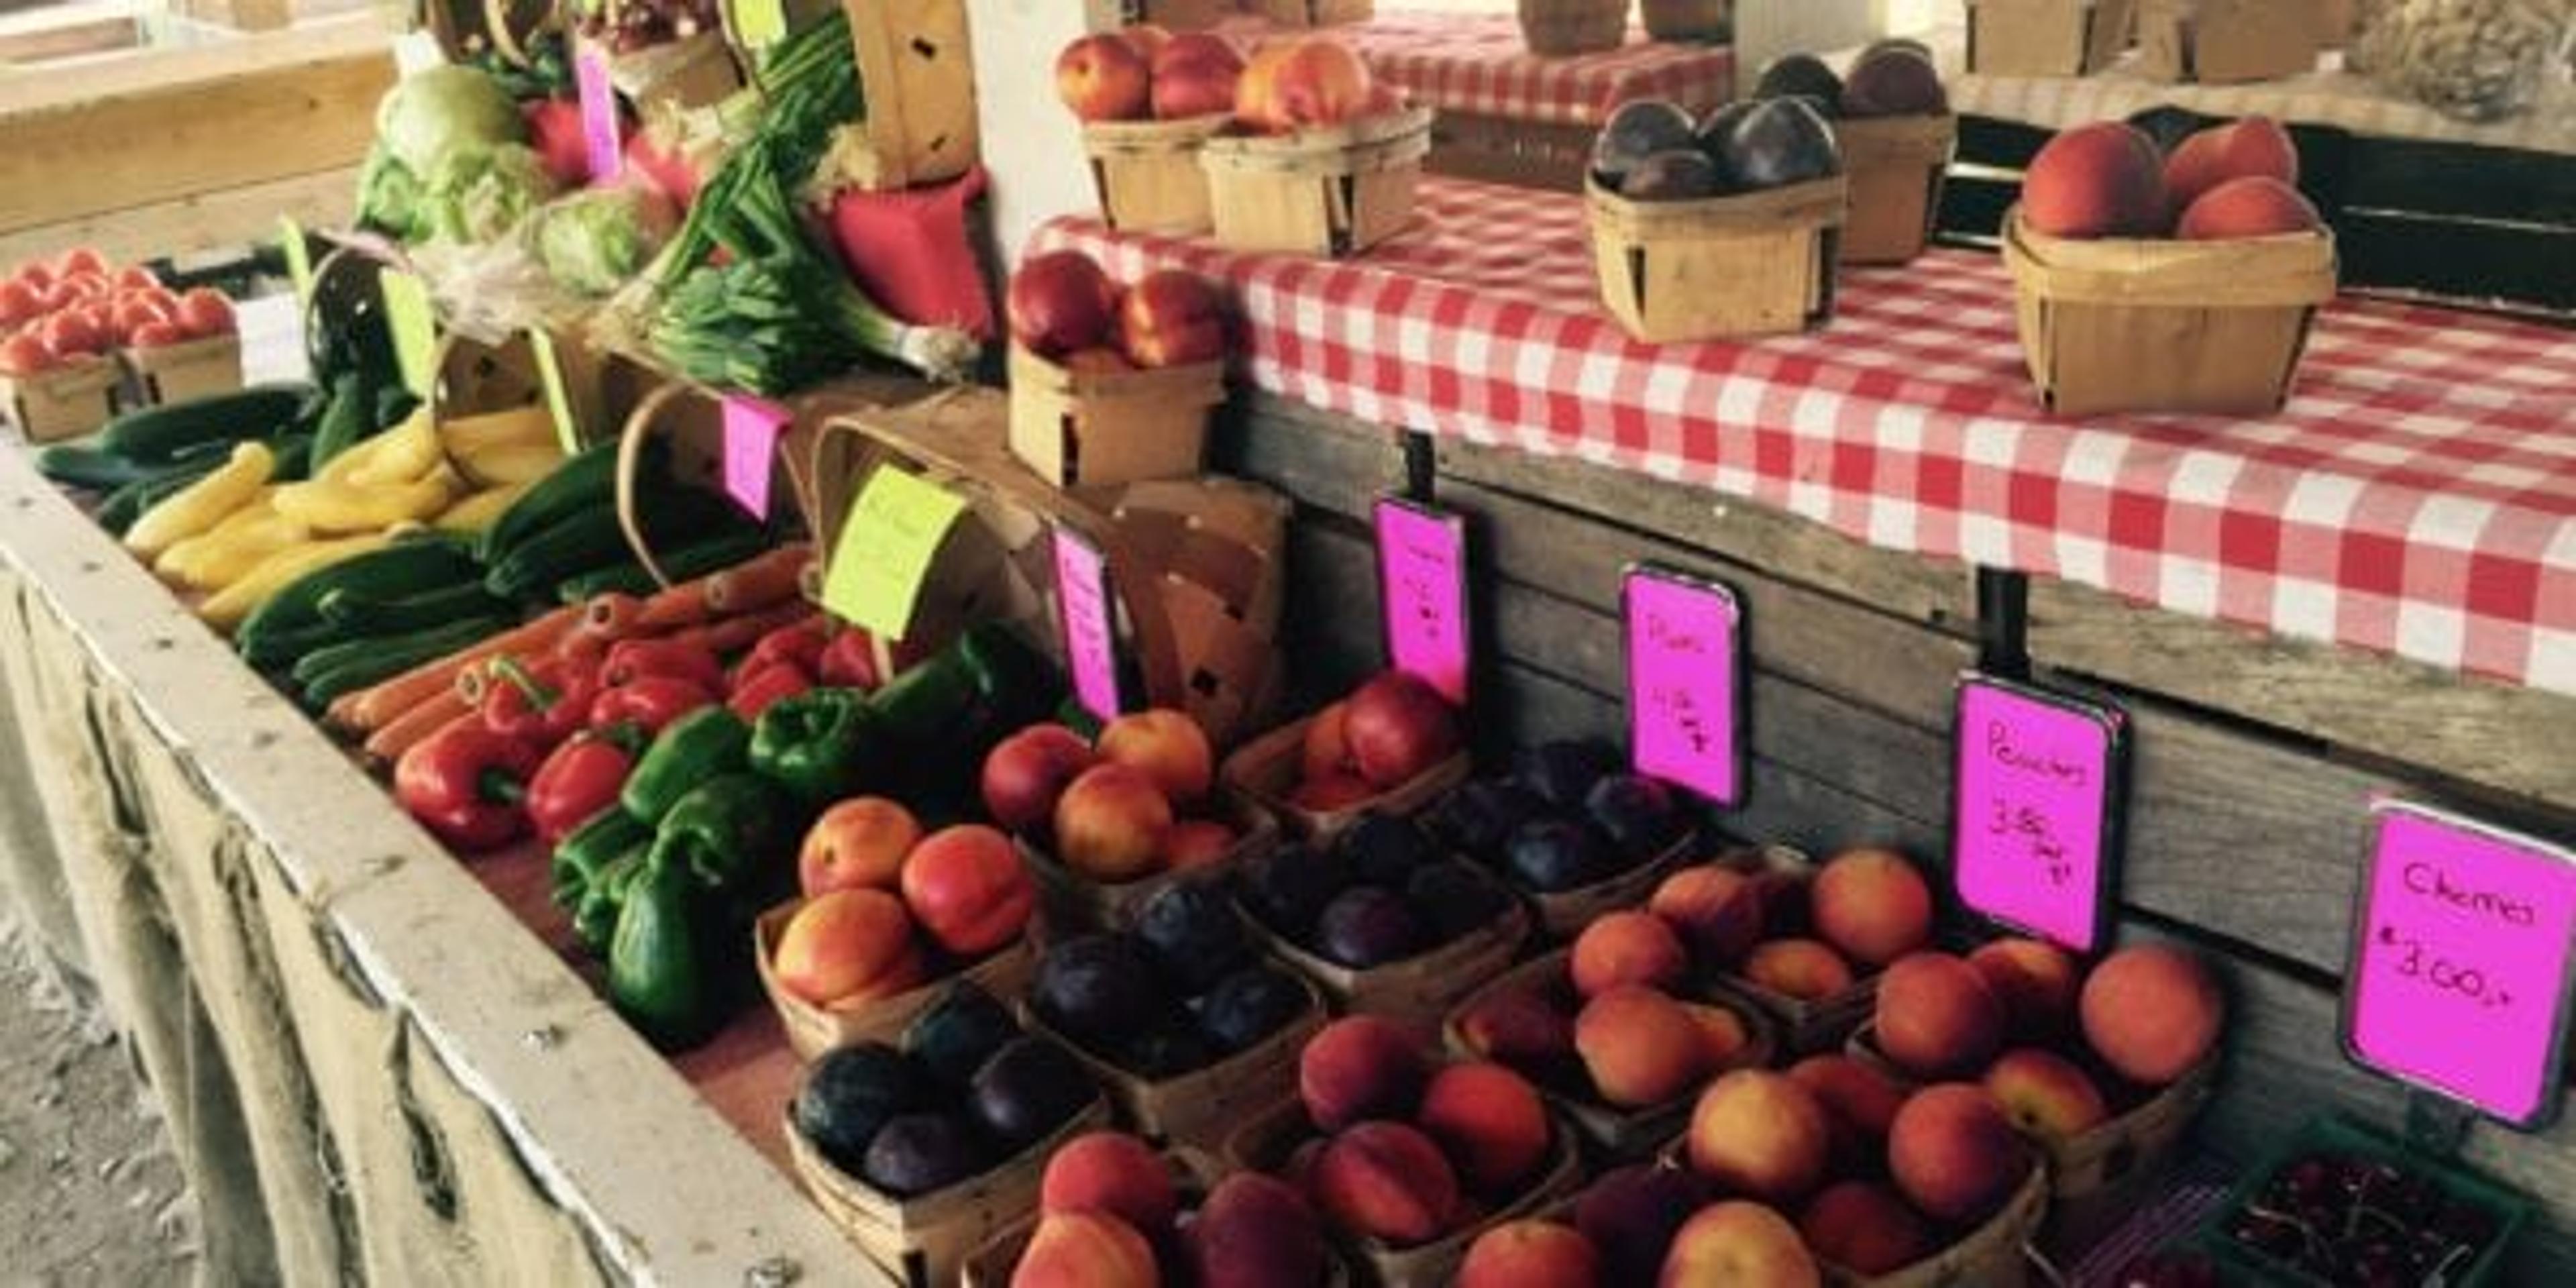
<point>373,616</point>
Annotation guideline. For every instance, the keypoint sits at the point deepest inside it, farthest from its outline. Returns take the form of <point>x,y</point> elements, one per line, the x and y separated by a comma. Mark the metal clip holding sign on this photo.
<point>2462,971</point>
<point>2039,787</point>
<point>1683,638</point>
<point>1422,592</point>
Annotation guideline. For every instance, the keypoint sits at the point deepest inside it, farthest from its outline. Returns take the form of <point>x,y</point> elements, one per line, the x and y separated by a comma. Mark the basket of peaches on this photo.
<point>1321,158</point>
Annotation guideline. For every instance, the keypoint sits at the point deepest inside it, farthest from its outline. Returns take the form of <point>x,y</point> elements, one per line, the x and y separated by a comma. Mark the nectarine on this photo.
<point>1361,1066</point>
<point>1953,1154</point>
<point>1086,1250</point>
<point>1863,1227</point>
<point>2152,1012</point>
<point>1529,1253</point>
<point>1113,1173</point>
<point>1387,1181</point>
<point>965,887</point>
<point>1936,1017</point>
<point>2100,180</point>
<point>847,946</point>
<point>2044,1094</point>
<point>1641,1047</point>
<point>1736,1244</point>
<point>1490,1122</point>
<point>1110,824</point>
<point>1804,969</point>
<point>1628,947</point>
<point>1027,772</point>
<point>857,843</point>
<point>1760,1133</point>
<point>1716,911</point>
<point>1872,905</point>
<point>1166,746</point>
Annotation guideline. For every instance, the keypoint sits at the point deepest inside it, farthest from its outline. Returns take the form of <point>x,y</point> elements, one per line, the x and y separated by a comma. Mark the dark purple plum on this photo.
<point>1684,174</point>
<point>1289,887</point>
<point>1028,1089</point>
<point>1099,989</point>
<point>1382,849</point>
<point>850,1094</point>
<point>1779,142</point>
<point>1368,926</point>
<point>1561,772</point>
<point>1636,813</point>
<point>918,1153</point>
<point>1554,855</point>
<point>1801,76</point>
<point>1249,1005</point>
<point>1894,82</point>
<point>1192,932</point>
<point>1637,130</point>
<point>1455,898</point>
<point>1477,818</point>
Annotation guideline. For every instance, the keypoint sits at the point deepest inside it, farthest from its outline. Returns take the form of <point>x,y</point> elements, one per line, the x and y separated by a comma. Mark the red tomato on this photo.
<point>90,285</point>
<point>163,302</point>
<point>135,312</point>
<point>25,354</point>
<point>36,275</point>
<point>82,259</point>
<point>136,277</point>
<point>205,311</point>
<point>19,303</point>
<point>69,332</point>
<point>153,335</point>
<point>56,296</point>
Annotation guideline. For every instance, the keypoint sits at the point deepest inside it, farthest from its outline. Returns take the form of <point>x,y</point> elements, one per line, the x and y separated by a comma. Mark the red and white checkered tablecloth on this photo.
<point>2417,496</point>
<point>1478,63</point>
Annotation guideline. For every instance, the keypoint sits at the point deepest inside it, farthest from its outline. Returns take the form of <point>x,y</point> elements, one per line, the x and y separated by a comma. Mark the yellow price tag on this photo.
<point>759,23</point>
<point>541,343</point>
<point>885,549</point>
<point>415,330</point>
<point>299,259</point>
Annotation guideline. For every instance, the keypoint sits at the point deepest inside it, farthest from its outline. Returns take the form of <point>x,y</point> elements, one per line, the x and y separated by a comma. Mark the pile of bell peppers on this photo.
<point>702,835</point>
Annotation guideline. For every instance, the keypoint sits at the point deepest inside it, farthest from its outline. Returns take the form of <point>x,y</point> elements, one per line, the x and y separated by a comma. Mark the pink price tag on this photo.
<point>1685,681</point>
<point>1422,586</point>
<point>598,112</point>
<point>2037,784</point>
<point>751,429</point>
<point>1090,624</point>
<point>2460,954</point>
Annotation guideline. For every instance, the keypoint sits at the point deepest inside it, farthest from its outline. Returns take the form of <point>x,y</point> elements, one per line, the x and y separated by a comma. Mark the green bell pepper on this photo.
<point>662,972</point>
<point>701,745</point>
<point>822,745</point>
<point>579,857</point>
<point>594,918</point>
<point>724,833</point>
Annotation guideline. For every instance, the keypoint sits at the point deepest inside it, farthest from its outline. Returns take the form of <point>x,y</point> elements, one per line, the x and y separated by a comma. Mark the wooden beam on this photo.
<point>229,218</point>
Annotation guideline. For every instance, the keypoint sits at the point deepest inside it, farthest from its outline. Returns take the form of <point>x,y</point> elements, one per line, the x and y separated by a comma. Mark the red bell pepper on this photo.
<point>648,702</point>
<point>630,660</point>
<point>581,778</point>
<point>465,782</point>
<point>758,687</point>
<point>801,644</point>
<point>850,661</point>
<point>544,702</point>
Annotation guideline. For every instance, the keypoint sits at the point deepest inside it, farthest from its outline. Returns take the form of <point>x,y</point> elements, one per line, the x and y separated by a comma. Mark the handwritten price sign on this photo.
<point>1422,584</point>
<point>1090,623</point>
<point>597,95</point>
<point>886,548</point>
<point>2038,779</point>
<point>2459,979</point>
<point>1685,681</point>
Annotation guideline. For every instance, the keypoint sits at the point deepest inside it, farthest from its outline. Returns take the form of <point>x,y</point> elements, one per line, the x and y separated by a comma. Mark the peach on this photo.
<point>1334,791</point>
<point>847,946</point>
<point>1490,1121</point>
<point>1799,968</point>
<point>1359,1067</point>
<point>2245,148</point>
<point>1320,82</point>
<point>1325,751</point>
<point>2034,979</point>
<point>1026,773</point>
<point>1171,318</point>
<point>1196,842</point>
<point>1936,1017</point>
<point>1168,746</point>
<point>1630,1213</point>
<point>2044,1094</point>
<point>1872,906</point>
<point>1113,1173</point>
<point>1516,1254</point>
<point>1716,911</point>
<point>1762,1134</point>
<point>1111,822</point>
<point>1723,1032</point>
<point>858,843</point>
<point>1256,96</point>
<point>1863,1227</point>
<point>967,890</point>
<point>1517,1026</point>
<point>1953,1154</point>
<point>1254,1231</point>
<point>1860,1100</point>
<point>1387,1181</point>
<point>1641,1047</point>
<point>1627,948</point>
<point>1086,1250</point>
<point>1739,1245</point>
<point>2100,180</point>
<point>1195,75</point>
<point>1104,78</point>
<point>2152,1012</point>
<point>2257,207</point>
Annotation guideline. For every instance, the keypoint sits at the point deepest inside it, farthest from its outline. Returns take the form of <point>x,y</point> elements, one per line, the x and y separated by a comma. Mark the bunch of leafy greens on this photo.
<point>450,159</point>
<point>594,241</point>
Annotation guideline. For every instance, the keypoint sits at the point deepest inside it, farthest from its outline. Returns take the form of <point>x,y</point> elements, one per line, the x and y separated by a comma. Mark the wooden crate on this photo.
<point>1757,264</point>
<point>1896,165</point>
<point>1203,1107</point>
<point>1546,155</point>
<point>191,369</point>
<point>2047,37</point>
<point>1265,770</point>
<point>812,1030</point>
<point>2130,325</point>
<point>918,74</point>
<point>66,402</point>
<point>1097,429</point>
<point>1417,992</point>
<point>2220,42</point>
<point>1071,904</point>
<point>1329,192</point>
<point>1148,173</point>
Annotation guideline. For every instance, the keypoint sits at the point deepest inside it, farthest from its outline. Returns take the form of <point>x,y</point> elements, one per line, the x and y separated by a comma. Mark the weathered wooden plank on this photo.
<point>1933,592</point>
<point>207,221</point>
<point>1329,462</point>
<point>2502,736</point>
<point>1330,624</point>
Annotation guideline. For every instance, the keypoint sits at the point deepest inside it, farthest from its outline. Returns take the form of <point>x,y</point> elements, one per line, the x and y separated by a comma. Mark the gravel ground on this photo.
<point>89,1195</point>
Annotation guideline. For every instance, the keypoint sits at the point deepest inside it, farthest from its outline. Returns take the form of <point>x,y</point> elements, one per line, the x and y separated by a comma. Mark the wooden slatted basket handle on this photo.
<point>639,429</point>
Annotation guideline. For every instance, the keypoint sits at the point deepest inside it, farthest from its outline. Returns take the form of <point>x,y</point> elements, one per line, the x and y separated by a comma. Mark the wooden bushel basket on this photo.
<point>1327,192</point>
<point>2171,326</point>
<point>2220,42</point>
<point>1416,992</point>
<point>924,1240</point>
<point>1148,173</point>
<point>2047,37</point>
<point>1896,165</point>
<point>1757,264</point>
<point>1265,770</point>
<point>1564,28</point>
<point>1099,429</point>
<point>191,369</point>
<point>1072,904</point>
<point>1204,1106</point>
<point>918,72</point>
<point>812,1030</point>
<point>65,402</point>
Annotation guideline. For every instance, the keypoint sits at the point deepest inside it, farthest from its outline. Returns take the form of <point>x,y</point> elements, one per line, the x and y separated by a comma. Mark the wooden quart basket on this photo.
<point>1756,264</point>
<point>1098,429</point>
<point>2220,42</point>
<point>1564,28</point>
<point>1072,904</point>
<point>1807,1026</point>
<point>1417,992</point>
<point>2171,326</point>
<point>1563,914</point>
<point>812,1030</point>
<point>1204,1106</point>
<point>2047,37</point>
<point>1194,1174</point>
<point>1897,165</point>
<point>1994,1255</point>
<point>1326,192</point>
<point>1265,770</point>
<point>1148,173</point>
<point>66,402</point>
<point>191,369</point>
<point>1612,1134</point>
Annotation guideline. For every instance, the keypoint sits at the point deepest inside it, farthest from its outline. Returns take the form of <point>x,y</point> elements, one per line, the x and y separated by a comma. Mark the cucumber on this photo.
<point>578,543</point>
<point>359,663</point>
<point>157,434</point>
<point>344,422</point>
<point>291,622</point>
<point>586,482</point>
<point>684,564</point>
<point>95,468</point>
<point>294,458</point>
<point>353,611</point>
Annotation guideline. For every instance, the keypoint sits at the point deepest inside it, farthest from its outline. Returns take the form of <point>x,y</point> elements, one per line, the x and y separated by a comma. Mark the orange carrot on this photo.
<point>615,614</point>
<point>368,710</point>
<point>734,634</point>
<point>389,743</point>
<point>758,583</point>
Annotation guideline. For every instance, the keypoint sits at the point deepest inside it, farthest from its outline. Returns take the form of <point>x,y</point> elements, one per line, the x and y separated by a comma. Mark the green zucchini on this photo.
<point>684,564</point>
<point>157,434</point>
<point>95,468</point>
<point>347,420</point>
<point>352,610</point>
<point>346,668</point>
<point>294,458</point>
<point>586,482</point>
<point>578,543</point>
<point>282,628</point>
